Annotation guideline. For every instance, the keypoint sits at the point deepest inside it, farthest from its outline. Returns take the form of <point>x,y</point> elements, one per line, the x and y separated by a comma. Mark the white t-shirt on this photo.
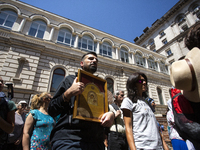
<point>145,130</point>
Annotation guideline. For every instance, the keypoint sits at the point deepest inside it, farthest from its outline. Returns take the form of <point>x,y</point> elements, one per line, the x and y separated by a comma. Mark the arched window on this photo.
<point>106,49</point>
<point>163,67</point>
<point>37,28</point>
<point>124,55</point>
<point>86,43</point>
<point>159,91</point>
<point>196,10</point>
<point>152,64</point>
<point>151,44</point>
<point>65,36</point>
<point>58,76</point>
<point>7,18</point>
<point>180,19</point>
<point>110,85</point>
<point>139,60</point>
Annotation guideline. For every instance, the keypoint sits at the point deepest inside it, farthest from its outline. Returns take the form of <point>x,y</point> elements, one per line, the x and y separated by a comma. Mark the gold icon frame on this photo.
<point>93,102</point>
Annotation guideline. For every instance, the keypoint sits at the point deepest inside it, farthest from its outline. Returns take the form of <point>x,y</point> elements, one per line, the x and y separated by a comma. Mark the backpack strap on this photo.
<point>186,123</point>
<point>116,108</point>
<point>175,96</point>
<point>173,109</point>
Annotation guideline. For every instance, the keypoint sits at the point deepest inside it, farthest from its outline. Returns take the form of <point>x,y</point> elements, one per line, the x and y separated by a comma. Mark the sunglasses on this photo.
<point>23,105</point>
<point>141,80</point>
<point>1,81</point>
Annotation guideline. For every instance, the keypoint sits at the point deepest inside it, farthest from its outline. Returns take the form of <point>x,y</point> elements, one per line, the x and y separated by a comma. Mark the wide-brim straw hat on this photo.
<point>187,78</point>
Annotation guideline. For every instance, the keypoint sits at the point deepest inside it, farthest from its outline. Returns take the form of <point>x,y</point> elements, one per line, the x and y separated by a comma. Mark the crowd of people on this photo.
<point>129,124</point>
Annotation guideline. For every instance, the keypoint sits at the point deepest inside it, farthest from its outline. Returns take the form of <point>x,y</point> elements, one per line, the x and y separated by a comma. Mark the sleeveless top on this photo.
<point>40,138</point>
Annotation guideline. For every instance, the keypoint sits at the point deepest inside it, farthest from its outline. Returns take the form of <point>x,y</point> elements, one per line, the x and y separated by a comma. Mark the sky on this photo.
<point>125,19</point>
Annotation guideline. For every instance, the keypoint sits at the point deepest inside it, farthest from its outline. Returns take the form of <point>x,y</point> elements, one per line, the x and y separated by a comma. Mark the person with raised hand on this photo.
<point>76,134</point>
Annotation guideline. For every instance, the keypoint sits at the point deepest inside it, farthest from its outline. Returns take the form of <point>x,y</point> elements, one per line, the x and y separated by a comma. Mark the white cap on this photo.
<point>22,102</point>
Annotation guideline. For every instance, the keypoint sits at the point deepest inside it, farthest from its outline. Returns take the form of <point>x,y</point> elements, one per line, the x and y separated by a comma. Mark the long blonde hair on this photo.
<point>37,100</point>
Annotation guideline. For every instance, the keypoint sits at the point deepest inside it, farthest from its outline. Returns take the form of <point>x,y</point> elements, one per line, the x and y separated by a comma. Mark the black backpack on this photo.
<point>3,108</point>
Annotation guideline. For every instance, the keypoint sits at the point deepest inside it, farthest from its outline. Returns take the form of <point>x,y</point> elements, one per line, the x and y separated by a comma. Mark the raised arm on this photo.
<point>67,90</point>
<point>128,121</point>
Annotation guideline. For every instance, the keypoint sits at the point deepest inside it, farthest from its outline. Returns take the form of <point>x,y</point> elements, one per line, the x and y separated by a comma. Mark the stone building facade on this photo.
<point>39,48</point>
<point>166,35</point>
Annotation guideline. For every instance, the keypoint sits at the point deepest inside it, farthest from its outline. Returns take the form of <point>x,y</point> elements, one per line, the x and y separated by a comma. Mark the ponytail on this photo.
<point>37,100</point>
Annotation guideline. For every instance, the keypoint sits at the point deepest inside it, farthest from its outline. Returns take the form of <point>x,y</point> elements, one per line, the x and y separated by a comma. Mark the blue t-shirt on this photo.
<point>40,138</point>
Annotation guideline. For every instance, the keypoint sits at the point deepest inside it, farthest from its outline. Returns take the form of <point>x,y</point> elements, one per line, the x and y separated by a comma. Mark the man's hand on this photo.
<point>75,89</point>
<point>107,119</point>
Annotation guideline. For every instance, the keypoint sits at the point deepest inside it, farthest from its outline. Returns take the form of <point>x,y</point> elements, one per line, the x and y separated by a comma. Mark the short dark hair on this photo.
<point>131,85</point>
<point>192,39</point>
<point>93,53</point>
<point>117,92</point>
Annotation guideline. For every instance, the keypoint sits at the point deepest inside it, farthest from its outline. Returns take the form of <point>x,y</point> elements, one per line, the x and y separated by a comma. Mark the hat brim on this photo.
<point>181,76</point>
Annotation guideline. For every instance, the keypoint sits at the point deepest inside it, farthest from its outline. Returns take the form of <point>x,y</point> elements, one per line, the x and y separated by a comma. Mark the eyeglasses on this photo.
<point>1,81</point>
<point>141,81</point>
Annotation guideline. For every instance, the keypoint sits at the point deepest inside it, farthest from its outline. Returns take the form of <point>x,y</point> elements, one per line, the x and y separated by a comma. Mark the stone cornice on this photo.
<point>27,44</point>
<point>161,21</point>
<point>63,51</point>
<point>77,26</point>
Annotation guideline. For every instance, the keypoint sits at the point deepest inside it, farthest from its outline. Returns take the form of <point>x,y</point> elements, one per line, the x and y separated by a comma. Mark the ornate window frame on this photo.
<point>38,28</point>
<point>124,55</point>
<point>65,36</point>
<point>10,16</point>
<point>106,49</point>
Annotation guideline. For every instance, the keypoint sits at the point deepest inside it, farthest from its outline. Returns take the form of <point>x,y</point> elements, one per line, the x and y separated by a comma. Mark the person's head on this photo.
<point>136,85</point>
<point>192,39</point>
<point>119,96</point>
<point>39,99</point>
<point>152,102</point>
<point>21,105</point>
<point>89,62</point>
<point>1,84</point>
<point>185,75</point>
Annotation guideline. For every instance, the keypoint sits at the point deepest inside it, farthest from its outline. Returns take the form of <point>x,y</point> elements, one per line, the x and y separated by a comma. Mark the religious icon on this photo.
<point>92,103</point>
